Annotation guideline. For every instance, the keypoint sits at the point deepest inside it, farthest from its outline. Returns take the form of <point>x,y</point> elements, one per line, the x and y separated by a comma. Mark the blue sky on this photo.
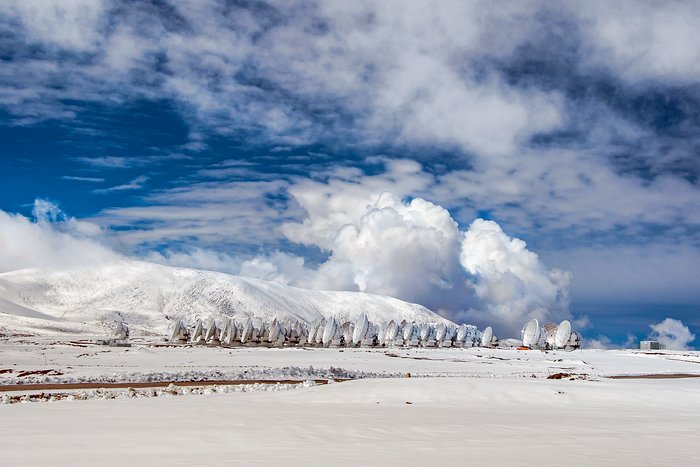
<point>245,136</point>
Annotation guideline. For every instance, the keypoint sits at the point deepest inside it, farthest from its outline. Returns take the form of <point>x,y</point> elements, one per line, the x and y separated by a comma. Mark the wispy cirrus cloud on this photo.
<point>76,178</point>
<point>134,184</point>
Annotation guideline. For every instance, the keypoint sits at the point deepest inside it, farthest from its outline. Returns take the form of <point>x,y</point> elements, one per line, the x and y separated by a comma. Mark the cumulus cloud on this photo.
<point>412,249</point>
<point>673,334</point>
<point>510,277</point>
<point>51,240</point>
<point>603,342</point>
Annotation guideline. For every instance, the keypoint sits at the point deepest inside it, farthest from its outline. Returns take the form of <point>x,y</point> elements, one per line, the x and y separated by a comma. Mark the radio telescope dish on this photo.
<point>230,337</point>
<point>574,341</point>
<point>274,332</point>
<point>319,332</point>
<point>348,329</point>
<point>247,332</point>
<point>198,334</point>
<point>531,333</point>
<point>487,336</point>
<point>550,333</point>
<point>312,333</point>
<point>407,331</point>
<point>391,330</point>
<point>329,331</point>
<point>212,334</point>
<point>360,331</point>
<point>440,332</point>
<point>461,333</point>
<point>424,332</point>
<point>563,334</point>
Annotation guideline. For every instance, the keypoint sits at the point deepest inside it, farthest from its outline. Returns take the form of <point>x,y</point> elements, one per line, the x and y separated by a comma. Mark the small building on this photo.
<point>651,345</point>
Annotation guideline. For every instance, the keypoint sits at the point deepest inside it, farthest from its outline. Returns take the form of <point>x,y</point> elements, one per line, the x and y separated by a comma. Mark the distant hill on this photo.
<point>149,297</point>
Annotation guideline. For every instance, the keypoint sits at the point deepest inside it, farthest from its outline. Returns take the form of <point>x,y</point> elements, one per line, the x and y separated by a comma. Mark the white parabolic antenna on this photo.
<point>275,331</point>
<point>360,330</point>
<point>486,336</point>
<point>329,331</point>
<point>391,330</point>
<point>407,331</point>
<point>319,332</point>
<point>462,333</point>
<point>424,331</point>
<point>563,334</point>
<point>531,333</point>
<point>440,332</point>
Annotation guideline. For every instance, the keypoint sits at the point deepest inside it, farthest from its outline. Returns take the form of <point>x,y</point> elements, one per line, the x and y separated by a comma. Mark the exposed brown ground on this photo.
<point>656,376</point>
<point>150,384</point>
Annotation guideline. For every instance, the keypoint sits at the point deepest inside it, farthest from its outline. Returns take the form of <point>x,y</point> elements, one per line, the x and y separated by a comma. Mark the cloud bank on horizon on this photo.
<point>368,126</point>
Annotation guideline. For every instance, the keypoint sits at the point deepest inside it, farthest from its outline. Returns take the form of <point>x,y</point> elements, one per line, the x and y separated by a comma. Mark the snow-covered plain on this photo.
<point>158,404</point>
<point>460,406</point>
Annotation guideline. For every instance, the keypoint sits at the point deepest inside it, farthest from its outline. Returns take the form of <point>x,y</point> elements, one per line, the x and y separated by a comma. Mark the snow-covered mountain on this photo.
<point>149,297</point>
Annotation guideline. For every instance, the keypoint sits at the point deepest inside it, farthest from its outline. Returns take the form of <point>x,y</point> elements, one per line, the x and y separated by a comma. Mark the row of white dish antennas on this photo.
<point>329,333</point>
<point>550,336</point>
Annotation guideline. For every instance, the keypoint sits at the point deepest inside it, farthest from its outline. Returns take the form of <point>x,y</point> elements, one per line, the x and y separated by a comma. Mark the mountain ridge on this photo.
<point>149,297</point>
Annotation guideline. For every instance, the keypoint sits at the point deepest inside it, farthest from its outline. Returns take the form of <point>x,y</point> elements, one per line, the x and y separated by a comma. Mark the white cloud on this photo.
<point>83,179</point>
<point>510,278</point>
<point>643,41</point>
<point>672,333</point>
<point>70,24</point>
<point>381,242</point>
<point>604,342</point>
<point>135,184</point>
<point>52,241</point>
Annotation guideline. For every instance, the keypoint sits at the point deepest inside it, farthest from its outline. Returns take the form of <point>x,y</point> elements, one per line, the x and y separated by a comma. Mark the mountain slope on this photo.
<point>149,296</point>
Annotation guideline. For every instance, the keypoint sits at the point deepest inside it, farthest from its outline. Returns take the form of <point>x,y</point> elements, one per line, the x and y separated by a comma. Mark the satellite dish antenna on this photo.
<point>563,334</point>
<point>424,332</point>
<point>179,332</point>
<point>274,332</point>
<point>487,337</point>
<point>212,334</point>
<point>348,329</point>
<point>319,332</point>
<point>531,334</point>
<point>440,332</point>
<point>391,330</point>
<point>247,332</point>
<point>461,333</point>
<point>574,341</point>
<point>361,329</point>
<point>230,336</point>
<point>550,333</point>
<point>119,331</point>
<point>312,333</point>
<point>198,335</point>
<point>224,330</point>
<point>329,332</point>
<point>407,331</point>
<point>381,334</point>
<point>303,336</point>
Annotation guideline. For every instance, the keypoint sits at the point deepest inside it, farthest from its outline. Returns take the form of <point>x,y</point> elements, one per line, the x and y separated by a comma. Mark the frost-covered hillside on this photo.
<point>149,296</point>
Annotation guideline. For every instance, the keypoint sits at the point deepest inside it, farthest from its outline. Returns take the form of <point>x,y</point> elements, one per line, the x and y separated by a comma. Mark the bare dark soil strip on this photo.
<point>656,376</point>
<point>152,384</point>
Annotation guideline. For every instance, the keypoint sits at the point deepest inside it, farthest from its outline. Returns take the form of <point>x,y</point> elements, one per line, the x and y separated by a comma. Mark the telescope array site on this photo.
<point>138,364</point>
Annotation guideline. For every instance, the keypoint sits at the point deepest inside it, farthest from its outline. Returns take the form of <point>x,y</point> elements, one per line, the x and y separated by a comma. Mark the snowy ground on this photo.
<point>459,406</point>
